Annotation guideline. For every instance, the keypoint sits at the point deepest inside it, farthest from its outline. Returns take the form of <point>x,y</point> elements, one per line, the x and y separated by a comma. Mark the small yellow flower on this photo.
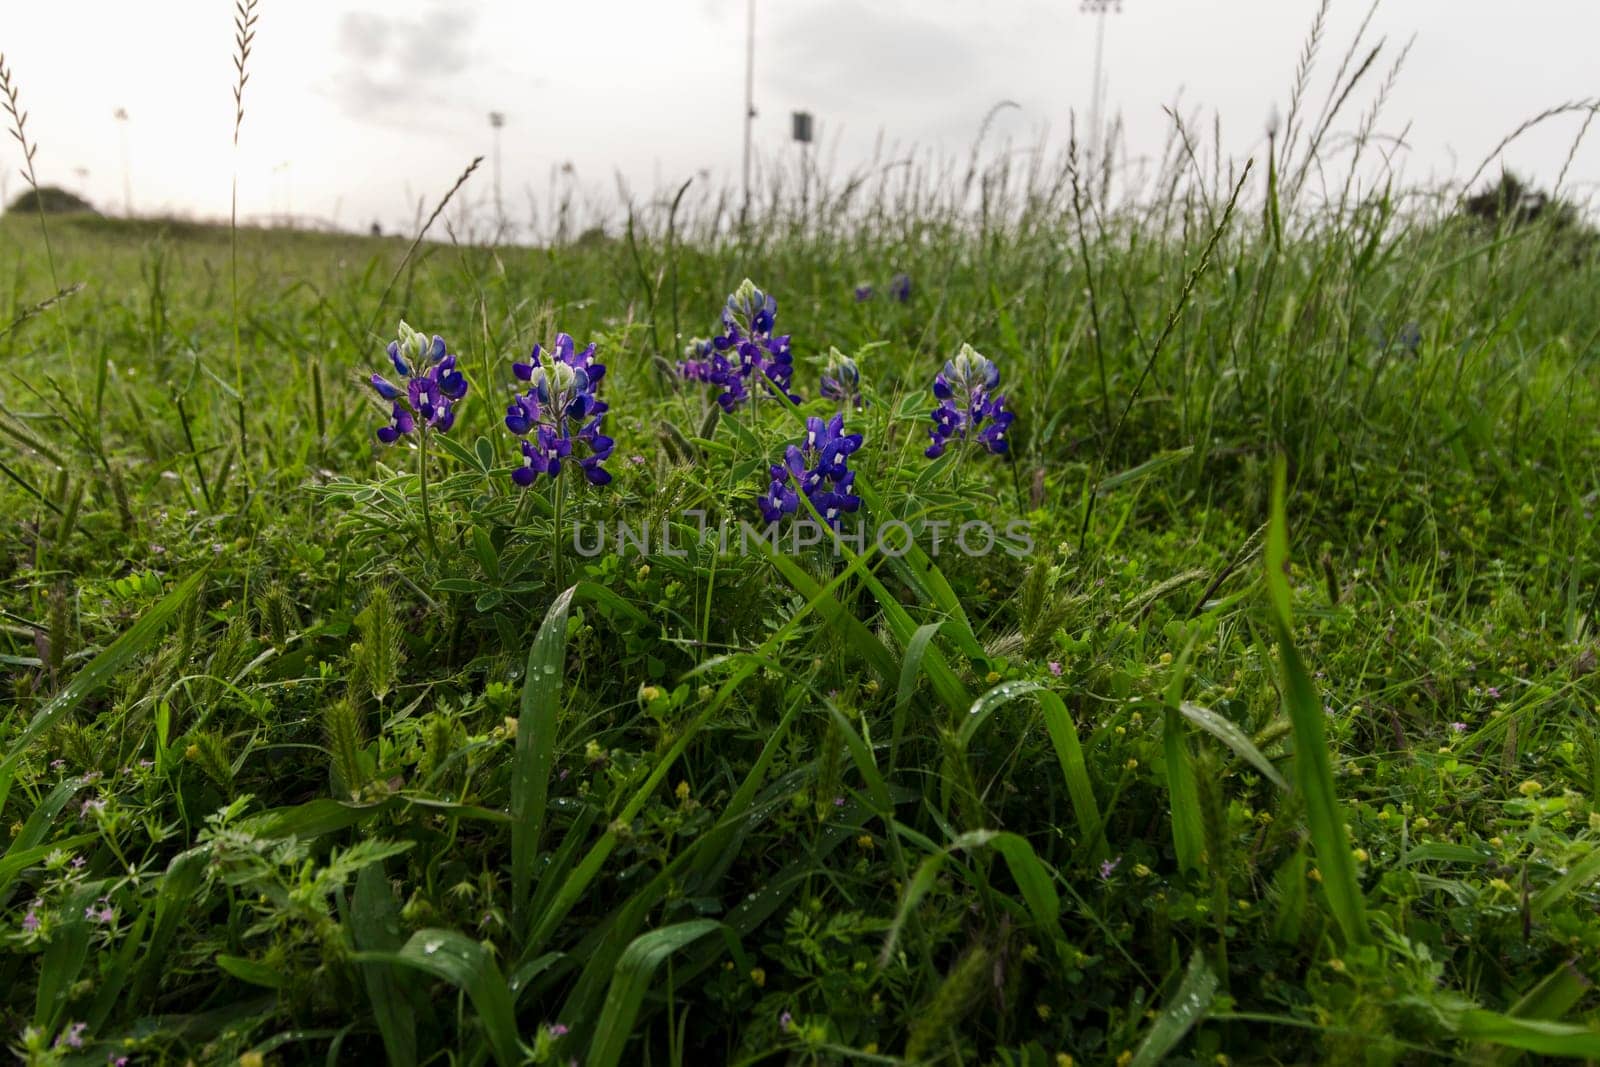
<point>1420,823</point>
<point>871,687</point>
<point>993,677</point>
<point>1043,1011</point>
<point>592,751</point>
<point>1500,885</point>
<point>1064,1060</point>
<point>1314,874</point>
<point>511,727</point>
<point>252,1059</point>
<point>192,752</point>
<point>1336,964</point>
<point>1530,788</point>
<point>870,1048</point>
<point>683,791</point>
<point>1141,871</point>
<point>1132,765</point>
<point>865,842</point>
<point>650,694</point>
<point>644,571</point>
<point>759,977</point>
<point>1360,854</point>
<point>1496,842</point>
<point>1166,658</point>
<point>1125,1058</point>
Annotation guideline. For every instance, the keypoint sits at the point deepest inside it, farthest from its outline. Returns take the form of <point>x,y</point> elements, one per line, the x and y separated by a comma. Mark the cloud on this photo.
<point>391,66</point>
<point>856,60</point>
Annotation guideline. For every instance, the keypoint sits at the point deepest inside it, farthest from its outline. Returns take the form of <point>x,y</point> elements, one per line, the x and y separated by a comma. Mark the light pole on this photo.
<point>1098,8</point>
<point>497,121</point>
<point>121,115</point>
<point>749,99</point>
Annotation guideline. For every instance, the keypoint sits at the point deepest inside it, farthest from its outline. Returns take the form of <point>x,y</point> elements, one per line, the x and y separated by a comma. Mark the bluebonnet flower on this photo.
<point>841,379</point>
<point>558,409</point>
<point>432,385</point>
<point>900,287</point>
<point>967,405</point>
<point>697,364</point>
<point>864,292</point>
<point>746,347</point>
<point>818,469</point>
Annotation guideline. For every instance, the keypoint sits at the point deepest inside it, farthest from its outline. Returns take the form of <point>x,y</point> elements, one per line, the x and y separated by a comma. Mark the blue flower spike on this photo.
<point>559,409</point>
<point>431,385</point>
<point>969,408</point>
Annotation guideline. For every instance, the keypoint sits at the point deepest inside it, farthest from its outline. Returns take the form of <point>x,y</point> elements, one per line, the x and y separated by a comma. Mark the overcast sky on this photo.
<point>356,108</point>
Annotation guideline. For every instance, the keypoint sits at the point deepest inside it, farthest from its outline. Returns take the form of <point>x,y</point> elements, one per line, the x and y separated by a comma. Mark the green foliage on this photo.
<point>1277,744</point>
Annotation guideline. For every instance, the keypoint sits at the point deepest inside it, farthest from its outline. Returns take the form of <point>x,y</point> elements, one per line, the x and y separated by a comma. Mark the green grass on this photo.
<point>1286,774</point>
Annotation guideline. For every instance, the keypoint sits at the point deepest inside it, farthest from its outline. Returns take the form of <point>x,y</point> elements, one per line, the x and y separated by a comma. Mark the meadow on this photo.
<point>1275,743</point>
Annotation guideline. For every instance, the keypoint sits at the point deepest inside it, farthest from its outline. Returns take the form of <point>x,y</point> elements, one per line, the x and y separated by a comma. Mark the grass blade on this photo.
<point>1187,1007</point>
<point>536,742</point>
<point>631,982</point>
<point>1313,767</point>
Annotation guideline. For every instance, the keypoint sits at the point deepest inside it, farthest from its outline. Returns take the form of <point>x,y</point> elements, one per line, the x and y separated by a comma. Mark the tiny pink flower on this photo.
<point>1055,667</point>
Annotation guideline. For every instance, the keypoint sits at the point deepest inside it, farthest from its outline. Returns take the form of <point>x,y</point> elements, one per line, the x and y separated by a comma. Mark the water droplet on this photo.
<point>431,947</point>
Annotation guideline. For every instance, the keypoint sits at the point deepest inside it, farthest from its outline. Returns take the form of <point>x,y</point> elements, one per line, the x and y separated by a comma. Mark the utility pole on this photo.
<point>1098,8</point>
<point>497,121</point>
<point>749,99</point>
<point>121,115</point>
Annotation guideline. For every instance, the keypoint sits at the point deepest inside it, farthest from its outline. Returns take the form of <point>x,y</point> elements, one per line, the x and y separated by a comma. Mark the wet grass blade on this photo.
<point>1224,730</point>
<point>1313,766</point>
<point>536,742</point>
<point>1187,1007</point>
<point>467,965</point>
<point>375,923</point>
<point>635,971</point>
<point>100,670</point>
<point>1063,737</point>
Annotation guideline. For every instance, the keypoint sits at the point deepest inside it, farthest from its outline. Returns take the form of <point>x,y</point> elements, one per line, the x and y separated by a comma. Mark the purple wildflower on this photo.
<point>864,292</point>
<point>1458,727</point>
<point>558,1030</point>
<point>30,922</point>
<point>431,387</point>
<point>559,409</point>
<point>966,404</point>
<point>1055,667</point>
<point>1492,693</point>
<point>900,287</point>
<point>746,348</point>
<point>1109,866</point>
<point>785,1021</point>
<point>72,1036</point>
<point>841,379</point>
<point>819,470</point>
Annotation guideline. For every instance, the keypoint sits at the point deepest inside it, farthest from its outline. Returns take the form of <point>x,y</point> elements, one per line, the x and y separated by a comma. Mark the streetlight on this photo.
<point>121,115</point>
<point>749,98</point>
<point>1098,8</point>
<point>497,121</point>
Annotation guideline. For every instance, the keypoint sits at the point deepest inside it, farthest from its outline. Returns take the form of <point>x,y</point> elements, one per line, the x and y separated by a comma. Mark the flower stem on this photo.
<point>555,531</point>
<point>422,474</point>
